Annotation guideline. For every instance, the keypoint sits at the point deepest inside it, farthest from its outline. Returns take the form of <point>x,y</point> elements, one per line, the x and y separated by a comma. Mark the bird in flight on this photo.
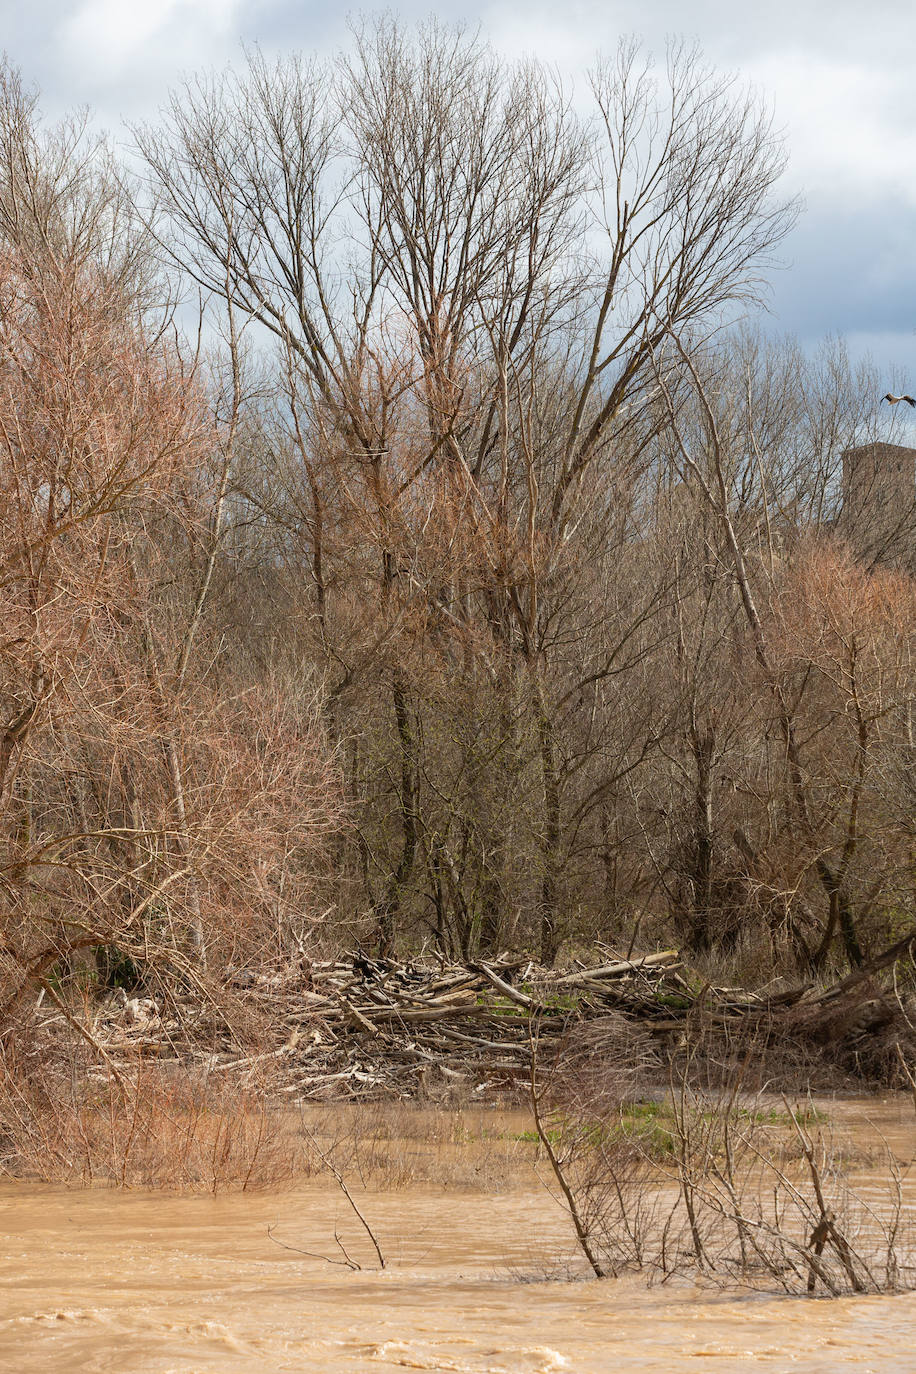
<point>894,399</point>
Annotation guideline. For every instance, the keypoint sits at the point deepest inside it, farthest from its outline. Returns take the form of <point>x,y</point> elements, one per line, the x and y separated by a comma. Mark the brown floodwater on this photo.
<point>151,1283</point>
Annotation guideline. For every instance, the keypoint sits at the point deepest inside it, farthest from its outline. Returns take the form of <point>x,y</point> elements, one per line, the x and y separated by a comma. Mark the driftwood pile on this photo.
<point>359,1027</point>
<point>367,1028</point>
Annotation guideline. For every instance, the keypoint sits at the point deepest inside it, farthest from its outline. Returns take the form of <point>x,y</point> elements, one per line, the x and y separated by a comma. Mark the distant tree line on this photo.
<point>476,575</point>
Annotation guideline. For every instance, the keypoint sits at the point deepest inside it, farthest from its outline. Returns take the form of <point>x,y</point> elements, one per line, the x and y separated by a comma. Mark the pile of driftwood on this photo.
<point>371,1028</point>
<point>359,1027</point>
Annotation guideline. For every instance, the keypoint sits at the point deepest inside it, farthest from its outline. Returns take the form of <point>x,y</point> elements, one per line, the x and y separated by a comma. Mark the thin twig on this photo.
<point>581,1230</point>
<point>342,1185</point>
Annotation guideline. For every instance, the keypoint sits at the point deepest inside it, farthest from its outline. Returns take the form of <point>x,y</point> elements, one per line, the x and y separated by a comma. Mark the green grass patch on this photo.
<point>652,1125</point>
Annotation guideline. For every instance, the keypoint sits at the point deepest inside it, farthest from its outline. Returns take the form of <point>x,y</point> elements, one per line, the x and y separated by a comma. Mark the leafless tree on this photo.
<point>466,285</point>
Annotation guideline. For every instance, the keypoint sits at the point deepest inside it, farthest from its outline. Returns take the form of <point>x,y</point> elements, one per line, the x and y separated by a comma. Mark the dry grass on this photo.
<point>66,1118</point>
<point>162,1128</point>
<point>399,1145</point>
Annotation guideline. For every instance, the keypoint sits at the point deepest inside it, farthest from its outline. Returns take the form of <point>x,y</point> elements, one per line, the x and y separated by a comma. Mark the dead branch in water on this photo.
<point>342,1185</point>
<point>566,1189</point>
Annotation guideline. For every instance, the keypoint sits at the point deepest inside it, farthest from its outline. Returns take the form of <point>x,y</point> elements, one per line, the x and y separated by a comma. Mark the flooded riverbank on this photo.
<point>107,1282</point>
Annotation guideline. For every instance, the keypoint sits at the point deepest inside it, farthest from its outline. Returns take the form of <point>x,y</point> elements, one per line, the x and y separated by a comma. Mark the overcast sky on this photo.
<point>839,74</point>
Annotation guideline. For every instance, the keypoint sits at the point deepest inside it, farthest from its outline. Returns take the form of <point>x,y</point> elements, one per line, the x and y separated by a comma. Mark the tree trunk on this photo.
<point>550,933</point>
<point>390,903</point>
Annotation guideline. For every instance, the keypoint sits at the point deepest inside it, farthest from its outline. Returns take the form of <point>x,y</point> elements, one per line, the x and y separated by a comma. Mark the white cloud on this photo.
<point>849,124</point>
<point>130,47</point>
<point>110,31</point>
<point>840,83</point>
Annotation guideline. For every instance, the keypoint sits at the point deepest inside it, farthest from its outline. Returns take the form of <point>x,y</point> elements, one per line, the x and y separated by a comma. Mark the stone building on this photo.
<point>878,517</point>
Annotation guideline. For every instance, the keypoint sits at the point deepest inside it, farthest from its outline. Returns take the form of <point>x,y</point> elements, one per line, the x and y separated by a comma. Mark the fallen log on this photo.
<point>623,966</point>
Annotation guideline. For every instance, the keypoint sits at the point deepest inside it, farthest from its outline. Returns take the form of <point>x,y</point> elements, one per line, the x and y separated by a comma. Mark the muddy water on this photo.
<point>155,1284</point>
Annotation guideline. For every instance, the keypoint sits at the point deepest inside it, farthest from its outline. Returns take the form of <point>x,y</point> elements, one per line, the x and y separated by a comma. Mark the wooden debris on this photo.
<point>363,1028</point>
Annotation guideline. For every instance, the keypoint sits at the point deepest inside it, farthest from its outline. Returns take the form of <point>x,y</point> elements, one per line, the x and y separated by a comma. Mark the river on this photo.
<point>148,1283</point>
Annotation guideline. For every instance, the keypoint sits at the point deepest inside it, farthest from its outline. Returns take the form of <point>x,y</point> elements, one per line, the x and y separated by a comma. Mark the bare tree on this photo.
<point>473,371</point>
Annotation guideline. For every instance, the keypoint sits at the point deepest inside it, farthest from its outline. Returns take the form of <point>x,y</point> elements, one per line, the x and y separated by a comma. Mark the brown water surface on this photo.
<point>127,1283</point>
